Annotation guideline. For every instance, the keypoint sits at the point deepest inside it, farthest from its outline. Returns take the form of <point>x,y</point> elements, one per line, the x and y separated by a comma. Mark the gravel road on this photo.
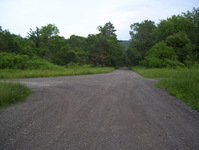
<point>114,111</point>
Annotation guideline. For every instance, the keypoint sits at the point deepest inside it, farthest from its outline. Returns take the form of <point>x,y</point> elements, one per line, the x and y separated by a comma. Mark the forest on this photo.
<point>173,42</point>
<point>44,43</point>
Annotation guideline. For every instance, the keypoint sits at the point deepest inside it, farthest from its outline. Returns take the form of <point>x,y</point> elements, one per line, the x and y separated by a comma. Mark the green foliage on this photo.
<point>11,93</point>
<point>14,61</point>
<point>71,70</point>
<point>182,45</point>
<point>160,56</point>
<point>102,49</point>
<point>7,42</point>
<point>106,51</point>
<point>142,41</point>
<point>173,25</point>
<point>178,32</point>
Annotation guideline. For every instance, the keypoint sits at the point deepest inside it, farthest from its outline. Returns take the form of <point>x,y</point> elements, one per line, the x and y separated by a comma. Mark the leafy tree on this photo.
<point>161,55</point>
<point>194,17</point>
<point>66,55</point>
<point>182,45</point>
<point>108,49</point>
<point>35,36</point>
<point>47,32</point>
<point>173,25</point>
<point>26,47</point>
<point>107,30</point>
<point>78,44</point>
<point>142,40</point>
<point>42,39</point>
<point>7,42</point>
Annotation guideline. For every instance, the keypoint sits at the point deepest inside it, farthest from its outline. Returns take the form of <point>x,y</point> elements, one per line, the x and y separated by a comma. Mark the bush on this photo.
<point>13,61</point>
<point>22,62</point>
<point>160,56</point>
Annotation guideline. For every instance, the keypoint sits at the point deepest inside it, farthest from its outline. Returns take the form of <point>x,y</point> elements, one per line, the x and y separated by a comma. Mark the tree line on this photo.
<point>102,49</point>
<point>171,43</point>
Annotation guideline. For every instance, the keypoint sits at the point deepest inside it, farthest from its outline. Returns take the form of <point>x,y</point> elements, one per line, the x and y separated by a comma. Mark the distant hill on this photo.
<point>125,43</point>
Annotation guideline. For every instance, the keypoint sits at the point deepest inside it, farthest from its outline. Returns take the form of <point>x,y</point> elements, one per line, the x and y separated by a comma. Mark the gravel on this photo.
<point>114,111</point>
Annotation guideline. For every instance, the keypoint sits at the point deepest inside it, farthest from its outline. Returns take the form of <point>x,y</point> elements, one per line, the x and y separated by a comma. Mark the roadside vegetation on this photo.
<point>10,73</point>
<point>23,66</point>
<point>182,82</point>
<point>11,93</point>
<point>169,50</point>
<point>43,53</point>
<point>170,47</point>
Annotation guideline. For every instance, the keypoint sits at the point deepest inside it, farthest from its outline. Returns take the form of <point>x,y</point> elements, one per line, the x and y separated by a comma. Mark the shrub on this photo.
<point>13,61</point>
<point>160,56</point>
<point>22,62</point>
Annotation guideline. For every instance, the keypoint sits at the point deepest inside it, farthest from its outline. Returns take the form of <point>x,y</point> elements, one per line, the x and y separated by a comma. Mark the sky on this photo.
<point>82,17</point>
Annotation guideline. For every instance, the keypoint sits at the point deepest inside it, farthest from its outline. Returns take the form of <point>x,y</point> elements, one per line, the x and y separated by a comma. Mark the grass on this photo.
<point>11,93</point>
<point>156,72</point>
<point>182,83</point>
<point>12,73</point>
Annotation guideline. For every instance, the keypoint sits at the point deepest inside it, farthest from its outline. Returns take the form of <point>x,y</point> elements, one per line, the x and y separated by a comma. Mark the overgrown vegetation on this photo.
<point>182,83</point>
<point>82,70</point>
<point>11,93</point>
<point>173,42</point>
<point>169,50</point>
<point>25,62</point>
<point>102,49</point>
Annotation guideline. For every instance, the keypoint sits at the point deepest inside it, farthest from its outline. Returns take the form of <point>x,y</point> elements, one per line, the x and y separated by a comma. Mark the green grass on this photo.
<point>182,83</point>
<point>11,93</point>
<point>156,72</point>
<point>12,73</point>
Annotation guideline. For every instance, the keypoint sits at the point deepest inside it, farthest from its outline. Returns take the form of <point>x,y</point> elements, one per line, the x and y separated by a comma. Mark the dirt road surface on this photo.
<point>115,111</point>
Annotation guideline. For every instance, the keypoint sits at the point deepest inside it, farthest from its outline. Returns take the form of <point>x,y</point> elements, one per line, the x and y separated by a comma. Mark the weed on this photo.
<point>10,93</point>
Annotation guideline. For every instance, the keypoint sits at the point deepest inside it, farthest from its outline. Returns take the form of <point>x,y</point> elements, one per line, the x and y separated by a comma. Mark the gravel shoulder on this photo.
<point>114,111</point>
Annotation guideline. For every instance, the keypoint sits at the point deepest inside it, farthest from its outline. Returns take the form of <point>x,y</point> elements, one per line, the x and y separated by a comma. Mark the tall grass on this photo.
<point>11,73</point>
<point>182,83</point>
<point>157,72</point>
<point>10,93</point>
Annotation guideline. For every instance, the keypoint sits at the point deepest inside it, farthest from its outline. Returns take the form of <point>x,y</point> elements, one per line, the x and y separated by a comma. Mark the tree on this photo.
<point>42,37</point>
<point>142,40</point>
<point>173,25</point>
<point>194,17</point>
<point>107,30</point>
<point>47,32</point>
<point>109,50</point>
<point>7,42</point>
<point>35,36</point>
<point>160,56</point>
<point>182,45</point>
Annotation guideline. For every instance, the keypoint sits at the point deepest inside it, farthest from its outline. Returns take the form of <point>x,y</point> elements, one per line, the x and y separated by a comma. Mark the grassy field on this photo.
<point>182,83</point>
<point>11,73</point>
<point>10,93</point>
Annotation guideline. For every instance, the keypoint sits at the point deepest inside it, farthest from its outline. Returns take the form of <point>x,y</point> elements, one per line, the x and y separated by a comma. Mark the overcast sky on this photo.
<point>82,17</point>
